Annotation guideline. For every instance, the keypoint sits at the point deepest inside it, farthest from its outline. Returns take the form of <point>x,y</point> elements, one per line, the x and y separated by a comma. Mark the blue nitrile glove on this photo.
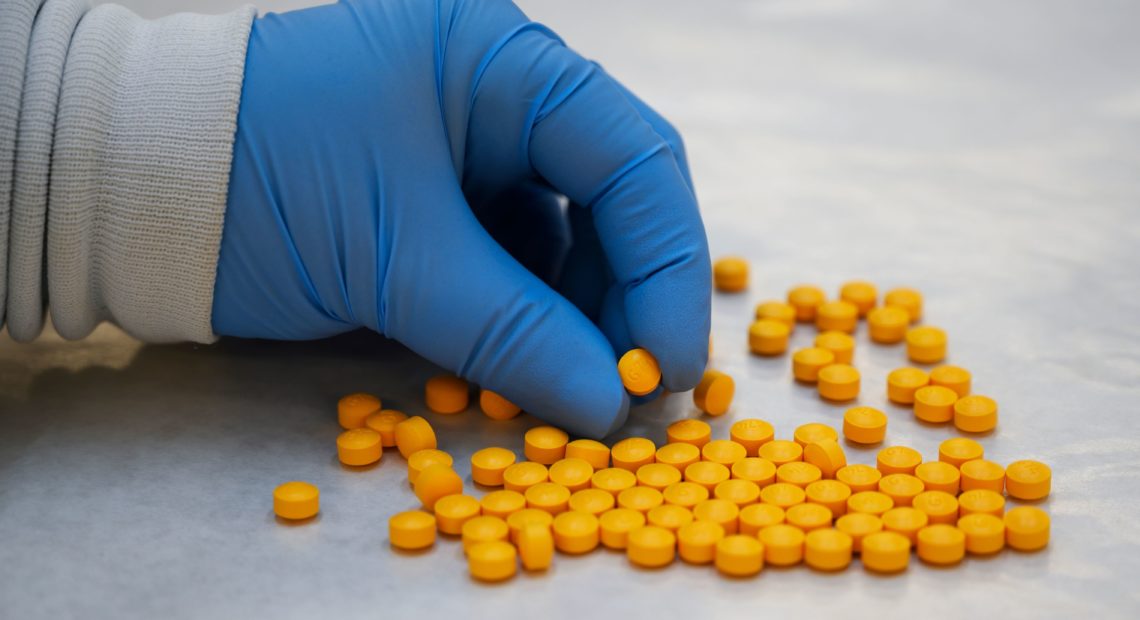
<point>401,165</point>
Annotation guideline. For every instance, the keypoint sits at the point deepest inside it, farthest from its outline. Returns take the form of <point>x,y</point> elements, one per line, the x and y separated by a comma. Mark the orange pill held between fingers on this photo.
<point>985,534</point>
<point>1026,528</point>
<point>446,394</point>
<point>863,295</point>
<point>1028,480</point>
<point>730,274</point>
<point>902,383</point>
<point>806,299</point>
<point>908,299</point>
<point>713,395</point>
<point>806,363</point>
<point>632,453</point>
<point>888,324</point>
<point>496,407</point>
<point>411,530</point>
<point>488,465</point>
<point>296,500</point>
<point>679,455</point>
<point>768,337</point>
<point>859,477</point>
<point>864,425</point>
<point>777,311</point>
<point>690,431</point>
<point>958,450</point>
<point>840,344</point>
<point>352,410</point>
<point>838,382</point>
<point>954,377</point>
<point>596,453</point>
<point>413,435</point>
<point>840,316</point>
<point>359,446</point>
<point>437,481</point>
<point>639,372</point>
<point>982,474</point>
<point>751,433</point>
<point>975,414</point>
<point>799,473</point>
<point>827,455</point>
<point>926,344</point>
<point>897,460</point>
<point>934,404</point>
<point>384,422</point>
<point>545,444</point>
<point>452,511</point>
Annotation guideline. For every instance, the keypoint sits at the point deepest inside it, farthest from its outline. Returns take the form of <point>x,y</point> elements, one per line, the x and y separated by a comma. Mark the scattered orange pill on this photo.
<point>669,516</point>
<point>885,552</point>
<point>613,480</point>
<point>452,511</point>
<point>828,549</point>
<point>905,520</point>
<point>888,324</point>
<point>720,511</point>
<point>593,501</point>
<point>807,363</point>
<point>483,529</point>
<point>737,491</point>
<point>926,344</point>
<point>690,431</point>
<point>536,547</point>
<point>496,407</point>
<point>411,530</point>
<point>696,541</point>
<point>981,501</point>
<point>864,425</point>
<point>437,481</point>
<point>413,435</point>
<point>488,465</point>
<point>756,469</point>
<point>446,394</point>
<point>840,344</point>
<point>657,475</point>
<point>572,473</point>
<point>632,453</point>
<point>730,274</point>
<point>1026,528</point>
<point>982,474</point>
<point>939,476</point>
<point>902,383</point>
<point>806,299</point>
<point>492,561</point>
<point>713,395</point>
<point>808,517</point>
<point>799,473</point>
<point>897,460</point>
<point>954,377</point>
<point>838,382</point>
<point>934,404</point>
<point>521,519</point>
<point>641,499</point>
<point>941,544</point>
<point>827,455</point>
<point>901,488</point>
<point>839,316</point>
<point>615,526</point>
<point>596,453</point>
<point>859,477</point>
<point>939,506</point>
<point>751,433</point>
<point>639,372</point>
<point>985,534</point>
<point>768,337</point>
<point>548,496</point>
<point>422,459</point>
<point>858,525</point>
<point>756,517</point>
<point>502,503</point>
<point>780,451</point>
<point>358,447</point>
<point>296,500</point>
<point>958,450</point>
<point>545,444</point>
<point>975,414</point>
<point>707,474</point>
<point>679,455</point>
<point>1028,480</point>
<point>384,422</point>
<point>870,502</point>
<point>906,298</point>
<point>777,311</point>
<point>723,451</point>
<point>783,544</point>
<point>863,295</point>
<point>651,547</point>
<point>831,494</point>
<point>521,476</point>
<point>685,494</point>
<point>354,409</point>
<point>783,495</point>
<point>575,532</point>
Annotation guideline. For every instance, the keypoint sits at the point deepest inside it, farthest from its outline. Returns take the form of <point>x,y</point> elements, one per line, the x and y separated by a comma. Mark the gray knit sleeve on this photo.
<point>116,137</point>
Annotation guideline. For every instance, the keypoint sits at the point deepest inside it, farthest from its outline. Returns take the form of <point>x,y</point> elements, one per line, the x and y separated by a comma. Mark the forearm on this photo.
<point>116,138</point>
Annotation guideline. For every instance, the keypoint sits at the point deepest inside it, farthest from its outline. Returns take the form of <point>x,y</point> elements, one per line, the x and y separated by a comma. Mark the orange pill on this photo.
<point>975,414</point>
<point>906,298</point>
<point>830,494</point>
<point>939,476</point>
<point>777,311</point>
<point>707,474</point>
<point>806,299</point>
<point>885,552</point>
<point>1026,528</point>
<point>870,502</point>
<point>981,501</point>
<point>452,511</point>
<point>864,425</point>
<point>696,541</point>
<point>840,344</point>
<point>737,491</point>
<point>719,511</point>
<point>859,477</point>
<point>839,316</point>
<point>639,372</point>
<point>411,530</point>
<point>926,344</point>
<point>502,503</point>
<point>632,453</point>
<point>437,481</point>
<point>446,394</point>
<point>384,422</point>
<point>521,476</point>
<point>934,404</point>
<point>751,433</point>
<point>641,499</point>
<point>780,451</point>
<point>685,494</point>
<point>713,395</point>
<point>768,337</point>
<point>985,534</point>
<point>901,488</point>
<point>827,455</point>
<point>888,324</point>
<point>755,517</point>
<point>613,480</point>
<point>575,532</point>
<point>812,432</point>
<point>358,447</point>
<point>939,506</point>
<point>954,377</point>
<point>596,453</point>
<point>657,475</point>
<point>651,547</point>
<point>902,383</point>
<point>858,525</point>
<point>679,455</point>
<point>496,407</point>
<point>488,465</point>
<point>422,459</point>
<point>808,517</point>
<point>536,547</point>
<point>695,432</point>
<point>799,473</point>
<point>545,444</point>
<point>838,382</point>
<point>669,516</point>
<point>1028,480</point>
<point>723,451</point>
<point>897,460</point>
<point>615,526</point>
<point>783,495</point>
<point>982,474</point>
<point>941,544</point>
<point>413,435</point>
<point>828,549</point>
<point>863,295</point>
<point>352,410</point>
<point>296,500</point>
<point>527,517</point>
<point>958,450</point>
<point>548,496</point>
<point>756,469</point>
<point>807,363</point>
<point>730,274</point>
<point>783,544</point>
<point>572,473</point>
<point>593,501</point>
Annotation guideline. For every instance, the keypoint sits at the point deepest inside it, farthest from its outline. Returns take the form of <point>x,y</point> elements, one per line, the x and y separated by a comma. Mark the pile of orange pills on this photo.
<point>736,503</point>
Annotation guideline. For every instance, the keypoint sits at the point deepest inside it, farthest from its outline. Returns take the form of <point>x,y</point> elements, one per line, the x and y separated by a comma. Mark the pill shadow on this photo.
<point>272,516</point>
<point>354,468</point>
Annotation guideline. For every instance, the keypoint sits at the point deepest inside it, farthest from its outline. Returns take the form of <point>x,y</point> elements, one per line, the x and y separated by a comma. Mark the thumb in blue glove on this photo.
<point>380,141</point>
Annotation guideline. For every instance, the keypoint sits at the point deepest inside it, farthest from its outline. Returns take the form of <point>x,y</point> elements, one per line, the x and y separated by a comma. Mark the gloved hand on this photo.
<point>401,165</point>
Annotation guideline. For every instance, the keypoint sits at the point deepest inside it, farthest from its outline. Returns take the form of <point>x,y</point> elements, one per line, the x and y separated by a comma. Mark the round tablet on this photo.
<point>777,311</point>
<point>639,372</point>
<point>813,432</point>
<point>885,552</point>
<point>492,561</point>
<point>352,410</point>
<point>954,377</point>
<point>858,525</point>
<point>657,475</point>
<point>939,506</point>
<point>828,549</point>
<point>826,455</point>
<point>548,496</point>
<point>593,501</point>
<point>413,435</point>
<point>806,363</point>
<point>780,451</point>
<point>831,494</point>
<point>958,450</point>
<point>496,407</point>
<point>783,544</point>
<point>981,500</point>
<point>713,395</point>
<point>737,491</point>
<point>679,455</point>
<point>939,476</point>
<point>870,502</point>
<point>1028,480</point>
<point>934,404</point>
<point>483,529</point>
<point>902,383</point>
<point>536,547</point>
<point>1026,528</point>
<point>888,324</point>
<point>696,541</point>
<point>838,382</point>
<point>806,299</point>
<point>905,520</point>
<point>739,556</point>
<point>808,517</point>
<point>641,499</point>
<point>707,474</point>
<point>975,414</point>
<point>897,460</point>
<point>941,544</point>
<point>783,495</point>
<point>521,476</point>
<point>768,337</point>
<point>838,316</point>
<point>840,344</point>
<point>751,433</point>
<point>859,477</point>
<point>982,474</point>
<point>545,444</point>
<point>384,422</point>
<point>613,480</point>
<point>632,453</point>
<point>864,425</point>
<point>358,447</point>
<point>488,465</point>
<point>414,529</point>
<point>690,431</point>
<point>575,532</point>
<point>437,481</point>
<point>572,473</point>
<point>446,394</point>
<point>730,274</point>
<point>502,503</point>
<point>596,453</point>
<point>296,500</point>
<point>756,517</point>
<point>651,547</point>
<point>798,473</point>
<point>669,516</point>
<point>861,294</point>
<point>901,488</point>
<point>720,511</point>
<point>616,524</point>
<point>723,451</point>
<point>985,534</point>
<point>527,517</point>
<point>685,494</point>
<point>908,299</point>
<point>452,511</point>
<point>756,469</point>
<point>422,459</point>
<point>926,344</point>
